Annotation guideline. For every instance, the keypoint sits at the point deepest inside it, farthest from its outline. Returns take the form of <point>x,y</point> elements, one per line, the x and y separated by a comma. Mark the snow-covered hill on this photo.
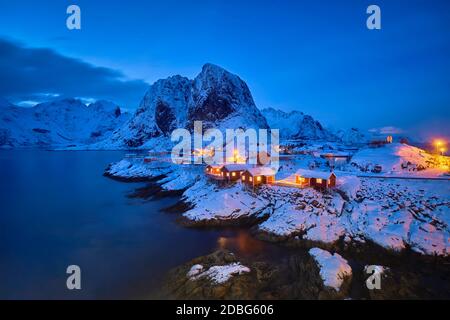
<point>352,136</point>
<point>218,98</point>
<point>397,158</point>
<point>296,125</point>
<point>58,124</point>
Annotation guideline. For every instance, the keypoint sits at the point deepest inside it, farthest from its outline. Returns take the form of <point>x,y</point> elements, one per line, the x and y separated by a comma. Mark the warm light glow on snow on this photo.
<point>440,146</point>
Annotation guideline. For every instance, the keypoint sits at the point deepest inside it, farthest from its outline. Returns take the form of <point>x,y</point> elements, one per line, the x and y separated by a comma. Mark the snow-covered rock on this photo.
<point>396,158</point>
<point>333,268</point>
<point>352,136</point>
<point>306,212</point>
<point>221,204</point>
<point>216,97</point>
<point>296,125</point>
<point>195,270</point>
<point>223,100</point>
<point>58,124</point>
<point>393,213</point>
<point>376,269</point>
<point>400,213</point>
<point>217,274</point>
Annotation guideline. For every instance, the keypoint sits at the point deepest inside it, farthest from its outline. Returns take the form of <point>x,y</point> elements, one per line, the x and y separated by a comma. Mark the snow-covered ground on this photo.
<point>306,213</point>
<point>398,212</point>
<point>333,268</point>
<point>401,160</point>
<point>212,202</point>
<point>393,213</point>
<point>217,274</point>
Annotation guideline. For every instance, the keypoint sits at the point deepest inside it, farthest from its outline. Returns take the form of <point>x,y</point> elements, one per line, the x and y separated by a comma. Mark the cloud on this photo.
<point>387,130</point>
<point>35,74</point>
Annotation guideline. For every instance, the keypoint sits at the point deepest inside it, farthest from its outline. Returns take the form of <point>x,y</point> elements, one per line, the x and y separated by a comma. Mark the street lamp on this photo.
<point>439,145</point>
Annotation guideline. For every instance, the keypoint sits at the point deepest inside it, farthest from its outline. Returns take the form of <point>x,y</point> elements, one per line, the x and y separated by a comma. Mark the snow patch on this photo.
<point>333,268</point>
<point>217,274</point>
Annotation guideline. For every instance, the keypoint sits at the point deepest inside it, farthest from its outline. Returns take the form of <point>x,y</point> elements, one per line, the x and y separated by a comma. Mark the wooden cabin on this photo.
<point>311,178</point>
<point>233,171</point>
<point>214,171</point>
<point>257,176</point>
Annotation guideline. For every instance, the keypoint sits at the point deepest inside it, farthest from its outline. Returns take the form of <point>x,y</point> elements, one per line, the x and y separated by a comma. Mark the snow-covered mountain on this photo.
<point>352,136</point>
<point>61,123</point>
<point>218,98</point>
<point>296,125</point>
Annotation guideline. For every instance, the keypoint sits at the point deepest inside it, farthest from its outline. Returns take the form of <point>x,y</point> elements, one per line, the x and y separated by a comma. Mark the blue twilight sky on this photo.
<point>314,56</point>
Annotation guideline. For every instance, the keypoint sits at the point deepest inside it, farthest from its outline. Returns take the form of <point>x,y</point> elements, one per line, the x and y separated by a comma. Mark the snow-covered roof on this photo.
<point>261,171</point>
<point>215,166</point>
<point>236,167</point>
<point>313,174</point>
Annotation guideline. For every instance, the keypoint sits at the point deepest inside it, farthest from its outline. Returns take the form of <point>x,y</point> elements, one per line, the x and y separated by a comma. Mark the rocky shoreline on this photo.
<point>299,276</point>
<point>263,281</point>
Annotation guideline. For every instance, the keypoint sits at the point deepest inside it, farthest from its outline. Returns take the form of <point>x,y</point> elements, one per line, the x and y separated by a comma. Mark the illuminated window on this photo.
<point>234,174</point>
<point>258,179</point>
<point>250,179</point>
<point>243,178</point>
<point>227,174</point>
<point>319,180</point>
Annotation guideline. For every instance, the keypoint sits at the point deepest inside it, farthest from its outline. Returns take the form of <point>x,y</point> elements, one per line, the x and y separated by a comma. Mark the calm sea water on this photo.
<point>57,209</point>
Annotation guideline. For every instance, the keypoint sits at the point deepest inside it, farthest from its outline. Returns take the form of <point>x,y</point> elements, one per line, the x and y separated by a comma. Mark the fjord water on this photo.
<point>57,209</point>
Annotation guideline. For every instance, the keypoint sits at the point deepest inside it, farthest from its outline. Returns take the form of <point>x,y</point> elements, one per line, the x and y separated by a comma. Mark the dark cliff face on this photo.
<point>215,107</point>
<point>217,94</point>
<point>165,118</point>
<point>213,97</point>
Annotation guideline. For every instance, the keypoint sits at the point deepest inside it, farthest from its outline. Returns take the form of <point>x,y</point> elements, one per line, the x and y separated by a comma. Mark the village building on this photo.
<point>214,171</point>
<point>311,178</point>
<point>226,172</point>
<point>258,175</point>
<point>233,171</point>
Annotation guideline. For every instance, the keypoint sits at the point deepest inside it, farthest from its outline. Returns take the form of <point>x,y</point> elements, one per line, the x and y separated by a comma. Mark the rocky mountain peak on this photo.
<point>217,97</point>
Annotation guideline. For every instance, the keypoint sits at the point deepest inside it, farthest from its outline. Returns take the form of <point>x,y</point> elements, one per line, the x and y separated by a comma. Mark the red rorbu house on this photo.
<point>233,171</point>
<point>257,176</point>
<point>310,178</point>
<point>214,171</point>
